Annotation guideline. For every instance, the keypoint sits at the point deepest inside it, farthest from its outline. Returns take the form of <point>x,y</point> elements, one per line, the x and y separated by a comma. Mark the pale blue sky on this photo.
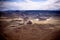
<point>30,5</point>
<point>23,0</point>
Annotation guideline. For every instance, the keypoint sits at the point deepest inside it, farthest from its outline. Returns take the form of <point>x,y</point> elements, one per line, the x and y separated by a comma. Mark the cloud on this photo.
<point>30,5</point>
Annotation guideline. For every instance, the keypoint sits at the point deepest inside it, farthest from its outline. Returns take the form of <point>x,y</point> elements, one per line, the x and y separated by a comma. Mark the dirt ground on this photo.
<point>29,31</point>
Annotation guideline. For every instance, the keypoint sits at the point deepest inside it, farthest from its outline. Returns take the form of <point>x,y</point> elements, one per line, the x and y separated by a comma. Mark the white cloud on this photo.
<point>29,5</point>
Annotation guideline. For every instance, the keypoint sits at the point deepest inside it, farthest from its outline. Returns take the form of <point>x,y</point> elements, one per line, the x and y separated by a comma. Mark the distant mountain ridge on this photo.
<point>29,12</point>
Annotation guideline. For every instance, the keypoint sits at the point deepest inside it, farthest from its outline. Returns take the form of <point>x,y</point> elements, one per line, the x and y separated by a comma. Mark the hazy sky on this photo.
<point>23,0</point>
<point>29,5</point>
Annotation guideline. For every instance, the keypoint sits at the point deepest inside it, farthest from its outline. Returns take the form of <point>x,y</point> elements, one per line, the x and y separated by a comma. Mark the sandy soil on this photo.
<point>29,31</point>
